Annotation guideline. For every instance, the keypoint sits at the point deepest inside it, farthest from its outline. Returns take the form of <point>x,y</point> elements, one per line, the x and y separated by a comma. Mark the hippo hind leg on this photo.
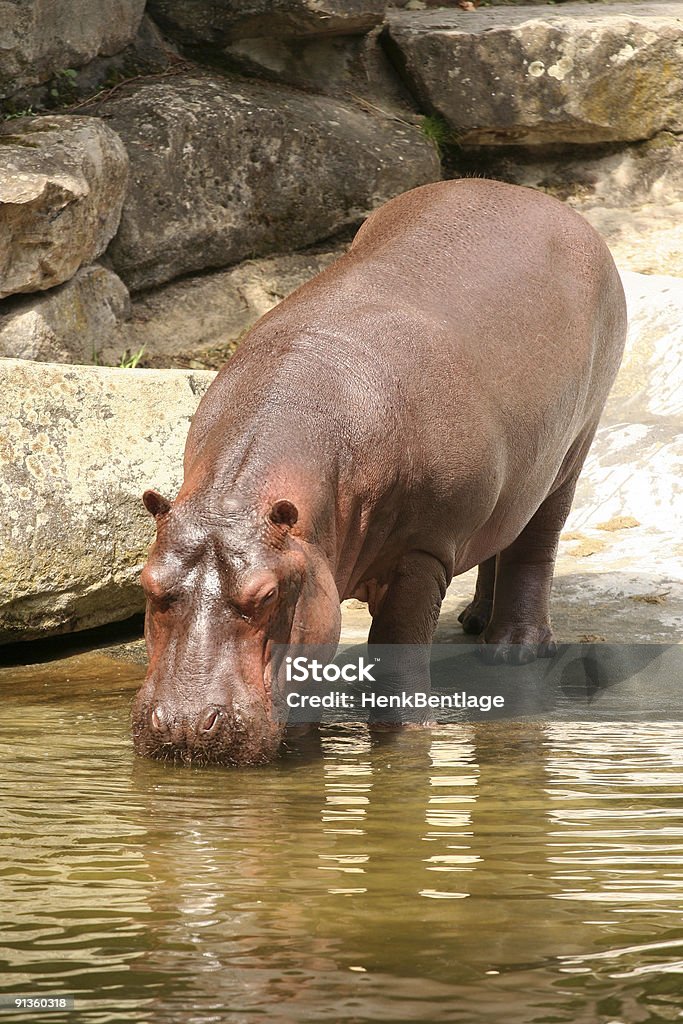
<point>519,629</point>
<point>475,616</point>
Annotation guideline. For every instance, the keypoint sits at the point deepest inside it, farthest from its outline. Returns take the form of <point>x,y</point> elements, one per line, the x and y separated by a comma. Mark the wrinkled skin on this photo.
<point>221,591</point>
<point>423,406</point>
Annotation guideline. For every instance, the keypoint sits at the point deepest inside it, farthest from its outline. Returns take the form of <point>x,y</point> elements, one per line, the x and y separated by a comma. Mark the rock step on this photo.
<point>574,73</point>
<point>81,321</point>
<point>200,319</point>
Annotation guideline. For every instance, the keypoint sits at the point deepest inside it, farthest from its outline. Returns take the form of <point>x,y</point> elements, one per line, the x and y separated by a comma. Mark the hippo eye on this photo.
<point>163,601</point>
<point>256,598</point>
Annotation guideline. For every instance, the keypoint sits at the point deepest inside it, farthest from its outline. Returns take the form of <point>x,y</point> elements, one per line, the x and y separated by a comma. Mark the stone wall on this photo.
<point>170,171</point>
<point>258,129</point>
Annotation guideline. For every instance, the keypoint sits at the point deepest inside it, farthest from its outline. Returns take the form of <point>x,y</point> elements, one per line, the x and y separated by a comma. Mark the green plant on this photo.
<point>63,85</point>
<point>15,114</point>
<point>67,75</point>
<point>437,131</point>
<point>128,361</point>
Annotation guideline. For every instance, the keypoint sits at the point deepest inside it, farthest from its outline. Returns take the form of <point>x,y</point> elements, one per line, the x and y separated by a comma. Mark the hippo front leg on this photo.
<point>519,629</point>
<point>408,615</point>
<point>409,611</point>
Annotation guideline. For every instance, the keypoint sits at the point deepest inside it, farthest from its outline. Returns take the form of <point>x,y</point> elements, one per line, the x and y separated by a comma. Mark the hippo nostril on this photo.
<point>158,718</point>
<point>209,723</point>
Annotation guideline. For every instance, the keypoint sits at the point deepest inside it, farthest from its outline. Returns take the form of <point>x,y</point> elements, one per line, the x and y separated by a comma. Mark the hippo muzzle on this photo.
<point>212,734</point>
<point>207,697</point>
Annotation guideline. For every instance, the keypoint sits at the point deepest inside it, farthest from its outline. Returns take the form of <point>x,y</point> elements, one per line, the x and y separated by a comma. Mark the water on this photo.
<point>480,872</point>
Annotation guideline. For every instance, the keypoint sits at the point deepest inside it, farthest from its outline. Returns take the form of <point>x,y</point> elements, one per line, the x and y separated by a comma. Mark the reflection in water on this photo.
<point>448,813</point>
<point>616,822</point>
<point>348,784</point>
<point>476,872</point>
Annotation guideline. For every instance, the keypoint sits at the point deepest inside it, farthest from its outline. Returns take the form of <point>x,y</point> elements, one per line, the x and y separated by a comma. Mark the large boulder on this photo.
<point>38,39</point>
<point>534,75</point>
<point>78,446</point>
<point>222,170</point>
<point>199,320</point>
<point>62,186</point>
<point>355,66</point>
<point>326,46</point>
<point>78,322</point>
<point>206,22</point>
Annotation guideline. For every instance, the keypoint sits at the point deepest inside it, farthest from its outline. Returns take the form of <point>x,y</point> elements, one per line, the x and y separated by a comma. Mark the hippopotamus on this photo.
<point>421,407</point>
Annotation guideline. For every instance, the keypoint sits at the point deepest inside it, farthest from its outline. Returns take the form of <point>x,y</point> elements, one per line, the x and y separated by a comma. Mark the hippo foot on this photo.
<point>517,645</point>
<point>476,616</point>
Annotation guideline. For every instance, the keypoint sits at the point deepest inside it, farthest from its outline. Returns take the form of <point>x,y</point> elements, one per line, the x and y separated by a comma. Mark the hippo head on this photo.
<point>223,587</point>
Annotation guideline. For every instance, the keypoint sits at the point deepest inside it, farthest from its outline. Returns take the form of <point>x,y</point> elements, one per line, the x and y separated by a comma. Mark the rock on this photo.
<point>530,75</point>
<point>78,322</point>
<point>622,539</point>
<point>200,319</point>
<point>339,66</point>
<point>206,23</point>
<point>62,186</point>
<point>222,170</point>
<point>649,387</point>
<point>38,39</point>
<point>636,203</point>
<point>78,445</point>
<point>643,238</point>
<point>646,172</point>
<point>149,53</point>
<point>633,196</point>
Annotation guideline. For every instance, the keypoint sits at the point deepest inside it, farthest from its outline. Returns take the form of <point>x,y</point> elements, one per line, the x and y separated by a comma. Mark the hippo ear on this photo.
<point>155,504</point>
<point>283,513</point>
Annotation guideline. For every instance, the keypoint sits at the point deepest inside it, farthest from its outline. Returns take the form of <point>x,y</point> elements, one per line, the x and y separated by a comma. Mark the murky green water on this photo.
<point>513,873</point>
